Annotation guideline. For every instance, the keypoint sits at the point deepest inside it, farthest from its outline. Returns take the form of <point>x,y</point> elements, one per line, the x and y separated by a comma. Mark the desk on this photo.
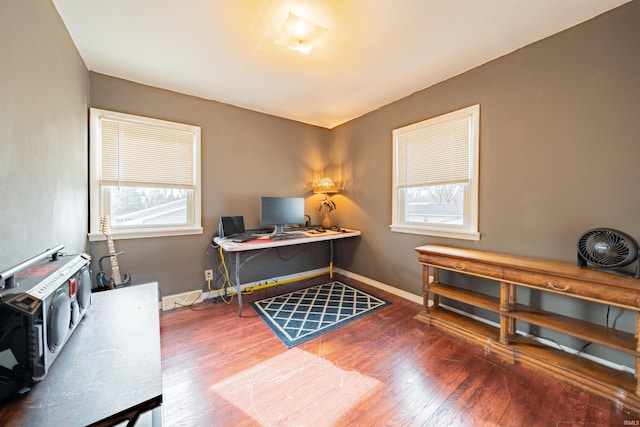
<point>264,244</point>
<point>108,372</point>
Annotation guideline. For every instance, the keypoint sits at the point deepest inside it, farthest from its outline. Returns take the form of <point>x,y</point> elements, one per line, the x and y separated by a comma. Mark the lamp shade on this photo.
<point>325,186</point>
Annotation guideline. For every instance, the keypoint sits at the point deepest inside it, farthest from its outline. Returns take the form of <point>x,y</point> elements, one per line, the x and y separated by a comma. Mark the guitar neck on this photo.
<point>115,268</point>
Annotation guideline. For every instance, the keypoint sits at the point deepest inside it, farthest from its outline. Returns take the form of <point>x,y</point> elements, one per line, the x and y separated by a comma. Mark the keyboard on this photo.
<point>239,238</point>
<point>259,231</point>
<point>286,236</point>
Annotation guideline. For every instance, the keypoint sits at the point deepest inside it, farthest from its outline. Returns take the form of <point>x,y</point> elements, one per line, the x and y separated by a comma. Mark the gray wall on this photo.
<point>44,88</point>
<point>560,152</point>
<point>284,157</point>
<point>560,149</point>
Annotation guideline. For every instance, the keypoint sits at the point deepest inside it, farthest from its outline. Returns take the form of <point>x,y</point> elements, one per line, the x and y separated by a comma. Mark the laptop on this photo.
<point>232,229</point>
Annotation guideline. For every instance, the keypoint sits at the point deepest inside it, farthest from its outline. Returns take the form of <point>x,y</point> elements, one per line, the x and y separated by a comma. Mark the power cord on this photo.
<point>304,248</point>
<point>223,272</point>
<point>226,284</point>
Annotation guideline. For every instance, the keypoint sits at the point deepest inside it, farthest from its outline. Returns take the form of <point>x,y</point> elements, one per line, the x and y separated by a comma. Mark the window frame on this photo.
<point>99,201</point>
<point>469,230</point>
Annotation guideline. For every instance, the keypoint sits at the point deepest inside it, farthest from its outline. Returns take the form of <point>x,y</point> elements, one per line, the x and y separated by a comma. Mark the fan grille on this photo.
<point>606,248</point>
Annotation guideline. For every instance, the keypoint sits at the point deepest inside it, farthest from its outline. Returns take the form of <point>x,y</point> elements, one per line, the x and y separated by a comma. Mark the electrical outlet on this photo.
<point>208,275</point>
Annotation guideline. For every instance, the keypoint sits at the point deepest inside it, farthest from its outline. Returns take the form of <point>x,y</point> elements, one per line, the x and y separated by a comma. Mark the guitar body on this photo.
<point>101,278</point>
<point>105,284</point>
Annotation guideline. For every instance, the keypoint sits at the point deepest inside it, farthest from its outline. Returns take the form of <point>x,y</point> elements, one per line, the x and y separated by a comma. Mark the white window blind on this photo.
<point>435,155</point>
<point>135,154</point>
<point>144,173</point>
<point>435,176</point>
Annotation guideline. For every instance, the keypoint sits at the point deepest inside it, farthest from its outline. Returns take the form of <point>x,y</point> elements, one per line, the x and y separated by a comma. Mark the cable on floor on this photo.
<point>226,284</point>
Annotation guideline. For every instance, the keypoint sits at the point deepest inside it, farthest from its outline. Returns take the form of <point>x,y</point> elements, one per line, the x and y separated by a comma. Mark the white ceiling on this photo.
<point>375,51</point>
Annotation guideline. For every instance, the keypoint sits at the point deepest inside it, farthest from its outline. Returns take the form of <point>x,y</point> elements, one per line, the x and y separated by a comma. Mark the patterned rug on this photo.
<point>301,315</point>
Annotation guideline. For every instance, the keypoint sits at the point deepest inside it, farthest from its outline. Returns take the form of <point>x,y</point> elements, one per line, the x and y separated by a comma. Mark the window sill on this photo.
<point>145,233</point>
<point>454,234</point>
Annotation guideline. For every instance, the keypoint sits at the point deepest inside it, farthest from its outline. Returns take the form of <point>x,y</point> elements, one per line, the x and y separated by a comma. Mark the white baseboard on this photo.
<point>181,300</point>
<point>274,281</point>
<point>387,288</point>
<point>186,298</point>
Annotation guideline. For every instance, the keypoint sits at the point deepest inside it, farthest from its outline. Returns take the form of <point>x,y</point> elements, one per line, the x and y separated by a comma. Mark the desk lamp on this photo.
<point>326,186</point>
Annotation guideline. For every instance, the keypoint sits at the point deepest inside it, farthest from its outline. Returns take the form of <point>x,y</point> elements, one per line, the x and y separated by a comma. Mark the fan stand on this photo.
<point>582,263</point>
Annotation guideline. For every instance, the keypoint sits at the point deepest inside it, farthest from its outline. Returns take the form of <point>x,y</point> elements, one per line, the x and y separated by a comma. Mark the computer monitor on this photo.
<point>281,211</point>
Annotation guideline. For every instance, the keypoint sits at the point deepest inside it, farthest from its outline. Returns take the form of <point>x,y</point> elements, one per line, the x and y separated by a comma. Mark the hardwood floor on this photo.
<point>383,369</point>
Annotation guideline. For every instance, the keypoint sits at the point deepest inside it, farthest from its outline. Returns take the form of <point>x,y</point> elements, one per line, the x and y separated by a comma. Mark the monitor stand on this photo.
<point>278,229</point>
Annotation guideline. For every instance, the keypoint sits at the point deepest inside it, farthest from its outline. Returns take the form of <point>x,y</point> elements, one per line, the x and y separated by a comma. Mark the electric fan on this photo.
<point>608,250</point>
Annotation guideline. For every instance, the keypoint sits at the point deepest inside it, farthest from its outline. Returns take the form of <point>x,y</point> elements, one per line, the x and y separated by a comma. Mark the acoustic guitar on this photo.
<point>116,281</point>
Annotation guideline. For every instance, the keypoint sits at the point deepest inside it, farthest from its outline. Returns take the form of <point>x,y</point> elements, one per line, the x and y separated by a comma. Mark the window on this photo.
<point>145,175</point>
<point>435,176</point>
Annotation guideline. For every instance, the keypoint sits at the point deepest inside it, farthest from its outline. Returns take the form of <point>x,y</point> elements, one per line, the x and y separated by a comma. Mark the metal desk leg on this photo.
<point>331,259</point>
<point>238,289</point>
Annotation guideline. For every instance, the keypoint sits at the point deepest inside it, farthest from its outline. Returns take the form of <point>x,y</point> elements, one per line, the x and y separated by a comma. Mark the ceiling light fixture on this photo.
<point>300,34</point>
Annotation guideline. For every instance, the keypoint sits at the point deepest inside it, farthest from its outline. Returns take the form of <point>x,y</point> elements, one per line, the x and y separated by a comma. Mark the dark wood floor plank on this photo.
<point>382,369</point>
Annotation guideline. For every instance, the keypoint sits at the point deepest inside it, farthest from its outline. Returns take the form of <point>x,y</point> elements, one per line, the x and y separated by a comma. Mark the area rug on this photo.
<point>304,314</point>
